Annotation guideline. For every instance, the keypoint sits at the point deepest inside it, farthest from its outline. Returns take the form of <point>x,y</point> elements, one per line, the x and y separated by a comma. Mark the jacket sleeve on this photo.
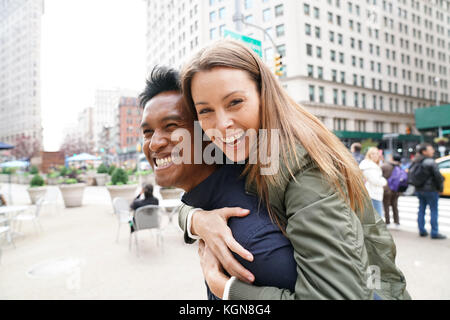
<point>438,177</point>
<point>183,212</point>
<point>374,179</point>
<point>328,243</point>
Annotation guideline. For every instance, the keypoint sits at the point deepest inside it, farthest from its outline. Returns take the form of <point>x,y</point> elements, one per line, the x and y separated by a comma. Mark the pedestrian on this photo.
<point>424,174</point>
<point>390,197</point>
<point>2,200</point>
<point>355,149</point>
<point>316,195</point>
<point>374,178</point>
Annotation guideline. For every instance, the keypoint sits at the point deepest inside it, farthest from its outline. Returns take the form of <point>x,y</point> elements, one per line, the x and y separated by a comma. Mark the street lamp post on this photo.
<point>436,80</point>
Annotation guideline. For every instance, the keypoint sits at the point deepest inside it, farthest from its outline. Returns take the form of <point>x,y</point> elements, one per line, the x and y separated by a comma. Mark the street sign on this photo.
<point>254,44</point>
<point>444,132</point>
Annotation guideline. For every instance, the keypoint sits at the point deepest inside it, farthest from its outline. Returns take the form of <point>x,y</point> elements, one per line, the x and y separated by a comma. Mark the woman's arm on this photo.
<point>211,227</point>
<point>328,246</point>
<point>375,178</point>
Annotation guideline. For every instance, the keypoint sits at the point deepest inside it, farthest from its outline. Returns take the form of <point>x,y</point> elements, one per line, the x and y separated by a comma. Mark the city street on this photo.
<point>96,267</point>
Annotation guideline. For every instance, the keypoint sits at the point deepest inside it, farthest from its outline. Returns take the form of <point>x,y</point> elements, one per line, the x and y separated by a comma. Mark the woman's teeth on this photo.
<point>232,139</point>
<point>163,162</point>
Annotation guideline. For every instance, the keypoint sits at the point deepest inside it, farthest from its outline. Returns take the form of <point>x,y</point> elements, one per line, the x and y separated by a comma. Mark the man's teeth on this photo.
<point>164,161</point>
<point>233,138</point>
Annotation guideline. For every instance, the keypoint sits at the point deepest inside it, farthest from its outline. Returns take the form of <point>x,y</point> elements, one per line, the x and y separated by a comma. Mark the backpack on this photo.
<point>398,181</point>
<point>417,175</point>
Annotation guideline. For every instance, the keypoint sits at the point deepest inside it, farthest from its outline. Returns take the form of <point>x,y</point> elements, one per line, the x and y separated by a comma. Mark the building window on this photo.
<point>266,15</point>
<point>311,93</point>
<point>335,96</point>
<point>307,29</point>
<point>279,10</point>
<point>280,30</point>
<point>321,94</point>
<point>306,9</point>
<point>320,72</point>
<point>340,124</point>
<point>310,70</point>
<point>379,126</point>
<point>344,97</point>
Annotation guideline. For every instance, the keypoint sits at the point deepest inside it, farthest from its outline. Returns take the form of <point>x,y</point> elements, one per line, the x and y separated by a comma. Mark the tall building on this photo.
<point>129,135</point>
<point>20,74</point>
<point>360,66</point>
<point>106,108</point>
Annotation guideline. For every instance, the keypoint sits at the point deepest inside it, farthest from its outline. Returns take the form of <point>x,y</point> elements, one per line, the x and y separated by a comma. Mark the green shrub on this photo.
<point>111,170</point>
<point>53,174</point>
<point>63,171</point>
<point>37,181</point>
<point>119,176</point>
<point>34,170</point>
<point>70,181</point>
<point>102,168</point>
<point>144,172</point>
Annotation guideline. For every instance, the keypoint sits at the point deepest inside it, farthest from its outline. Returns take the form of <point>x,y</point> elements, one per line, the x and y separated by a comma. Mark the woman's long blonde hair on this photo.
<point>295,125</point>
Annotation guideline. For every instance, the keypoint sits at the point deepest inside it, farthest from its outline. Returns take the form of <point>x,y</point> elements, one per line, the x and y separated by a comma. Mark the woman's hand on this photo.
<point>212,227</point>
<point>212,270</point>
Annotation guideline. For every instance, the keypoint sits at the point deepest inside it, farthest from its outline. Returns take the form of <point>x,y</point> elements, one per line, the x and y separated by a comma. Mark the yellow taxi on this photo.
<point>444,168</point>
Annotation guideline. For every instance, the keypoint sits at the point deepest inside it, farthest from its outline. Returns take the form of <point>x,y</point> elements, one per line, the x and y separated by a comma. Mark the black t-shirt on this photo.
<point>137,203</point>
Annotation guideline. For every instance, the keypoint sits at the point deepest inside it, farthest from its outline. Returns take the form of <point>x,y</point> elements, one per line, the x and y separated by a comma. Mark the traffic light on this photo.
<point>278,65</point>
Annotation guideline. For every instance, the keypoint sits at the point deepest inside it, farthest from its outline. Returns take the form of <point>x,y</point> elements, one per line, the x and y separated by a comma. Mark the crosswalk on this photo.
<point>408,207</point>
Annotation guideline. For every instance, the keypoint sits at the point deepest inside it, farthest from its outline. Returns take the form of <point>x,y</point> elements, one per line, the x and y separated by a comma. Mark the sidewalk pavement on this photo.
<point>108,270</point>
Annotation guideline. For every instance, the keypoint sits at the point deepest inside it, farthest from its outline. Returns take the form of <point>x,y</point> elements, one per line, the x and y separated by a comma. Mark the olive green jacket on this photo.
<point>339,254</point>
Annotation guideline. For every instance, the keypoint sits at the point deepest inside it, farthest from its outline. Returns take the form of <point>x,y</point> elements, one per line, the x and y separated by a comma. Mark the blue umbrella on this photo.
<point>4,146</point>
<point>82,157</point>
<point>14,164</point>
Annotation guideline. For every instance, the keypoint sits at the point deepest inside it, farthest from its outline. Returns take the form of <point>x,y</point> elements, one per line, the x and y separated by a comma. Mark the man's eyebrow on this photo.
<point>172,118</point>
<point>224,98</point>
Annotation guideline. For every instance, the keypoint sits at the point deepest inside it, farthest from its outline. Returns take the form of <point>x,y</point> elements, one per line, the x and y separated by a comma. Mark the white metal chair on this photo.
<point>32,216</point>
<point>51,199</point>
<point>5,230</point>
<point>147,217</point>
<point>122,211</point>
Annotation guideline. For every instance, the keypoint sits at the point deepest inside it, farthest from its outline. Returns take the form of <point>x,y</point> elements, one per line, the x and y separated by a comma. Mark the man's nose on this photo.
<point>158,141</point>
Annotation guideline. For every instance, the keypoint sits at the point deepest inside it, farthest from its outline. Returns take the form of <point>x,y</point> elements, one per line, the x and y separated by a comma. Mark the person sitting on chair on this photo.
<point>149,199</point>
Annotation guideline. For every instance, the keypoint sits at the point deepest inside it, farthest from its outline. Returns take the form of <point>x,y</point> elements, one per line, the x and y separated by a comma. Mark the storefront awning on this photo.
<point>433,118</point>
<point>374,136</point>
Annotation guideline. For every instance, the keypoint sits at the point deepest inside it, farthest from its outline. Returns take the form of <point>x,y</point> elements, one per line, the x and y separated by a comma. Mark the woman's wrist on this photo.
<point>217,282</point>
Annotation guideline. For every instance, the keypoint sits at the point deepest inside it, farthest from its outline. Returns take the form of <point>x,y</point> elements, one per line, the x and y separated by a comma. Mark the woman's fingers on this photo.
<point>233,267</point>
<point>234,212</point>
<point>234,246</point>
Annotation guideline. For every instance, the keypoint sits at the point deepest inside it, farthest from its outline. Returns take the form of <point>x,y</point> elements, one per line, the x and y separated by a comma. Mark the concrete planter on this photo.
<point>25,179</point>
<point>14,178</point>
<point>101,178</point>
<point>4,178</point>
<point>72,194</point>
<point>127,191</point>
<point>36,193</point>
<point>167,193</point>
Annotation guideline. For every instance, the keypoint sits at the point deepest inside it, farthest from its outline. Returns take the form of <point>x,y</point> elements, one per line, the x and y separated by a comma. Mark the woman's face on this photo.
<point>228,108</point>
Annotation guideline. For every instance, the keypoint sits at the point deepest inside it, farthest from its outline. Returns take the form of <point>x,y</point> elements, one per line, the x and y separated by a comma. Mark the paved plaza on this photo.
<point>82,260</point>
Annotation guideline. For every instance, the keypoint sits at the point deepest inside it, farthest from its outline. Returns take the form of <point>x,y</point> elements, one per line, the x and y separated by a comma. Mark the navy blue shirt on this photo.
<point>273,264</point>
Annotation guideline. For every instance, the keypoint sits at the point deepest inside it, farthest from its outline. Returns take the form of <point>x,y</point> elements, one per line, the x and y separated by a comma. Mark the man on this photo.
<point>212,187</point>
<point>355,149</point>
<point>429,188</point>
<point>149,199</point>
<point>390,197</point>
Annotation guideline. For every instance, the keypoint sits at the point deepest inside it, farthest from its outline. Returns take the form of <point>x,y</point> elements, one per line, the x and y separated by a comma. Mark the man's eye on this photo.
<point>171,125</point>
<point>148,133</point>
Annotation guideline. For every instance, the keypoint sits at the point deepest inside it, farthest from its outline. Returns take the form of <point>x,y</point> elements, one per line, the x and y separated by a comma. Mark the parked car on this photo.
<point>444,168</point>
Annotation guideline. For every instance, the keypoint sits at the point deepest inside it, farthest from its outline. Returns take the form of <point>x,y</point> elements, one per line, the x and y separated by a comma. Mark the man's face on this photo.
<point>162,115</point>
<point>429,152</point>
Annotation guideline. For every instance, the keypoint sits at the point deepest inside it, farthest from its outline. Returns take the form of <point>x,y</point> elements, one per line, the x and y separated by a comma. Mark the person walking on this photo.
<point>374,178</point>
<point>425,176</point>
<point>390,197</point>
<point>355,149</point>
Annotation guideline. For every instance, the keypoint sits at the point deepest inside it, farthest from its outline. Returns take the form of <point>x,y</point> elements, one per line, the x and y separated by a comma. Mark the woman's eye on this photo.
<point>235,102</point>
<point>204,111</point>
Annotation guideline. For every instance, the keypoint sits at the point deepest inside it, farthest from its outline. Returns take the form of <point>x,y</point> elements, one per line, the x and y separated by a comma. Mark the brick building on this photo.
<point>129,120</point>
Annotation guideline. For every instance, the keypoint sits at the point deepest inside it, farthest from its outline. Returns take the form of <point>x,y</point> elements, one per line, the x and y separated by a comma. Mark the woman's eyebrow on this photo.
<point>224,98</point>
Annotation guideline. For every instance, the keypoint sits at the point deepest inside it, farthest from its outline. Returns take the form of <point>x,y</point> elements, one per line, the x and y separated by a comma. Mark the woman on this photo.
<point>317,195</point>
<point>374,178</point>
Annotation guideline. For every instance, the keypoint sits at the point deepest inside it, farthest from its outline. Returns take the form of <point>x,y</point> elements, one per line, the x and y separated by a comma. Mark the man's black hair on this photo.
<point>148,191</point>
<point>161,79</point>
<point>423,147</point>
<point>397,157</point>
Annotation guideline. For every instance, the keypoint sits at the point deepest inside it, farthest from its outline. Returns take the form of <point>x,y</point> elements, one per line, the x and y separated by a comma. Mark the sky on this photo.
<point>87,44</point>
